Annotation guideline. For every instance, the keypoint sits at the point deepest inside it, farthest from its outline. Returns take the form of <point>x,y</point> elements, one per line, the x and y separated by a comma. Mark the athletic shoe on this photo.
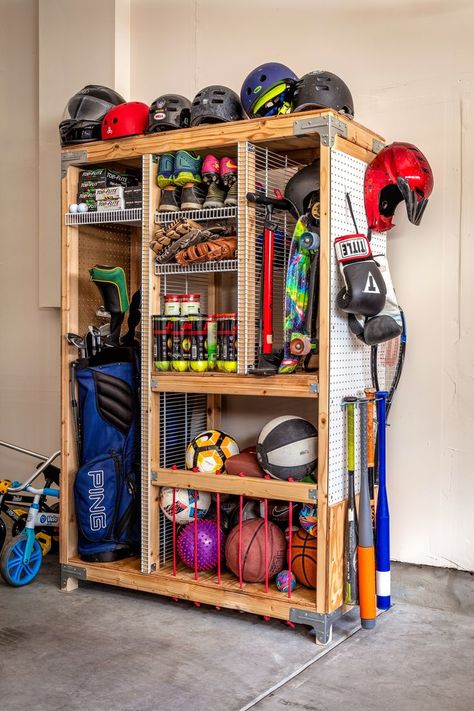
<point>165,175</point>
<point>210,169</point>
<point>215,196</point>
<point>187,168</point>
<point>228,171</point>
<point>169,200</point>
<point>193,196</point>
<point>232,196</point>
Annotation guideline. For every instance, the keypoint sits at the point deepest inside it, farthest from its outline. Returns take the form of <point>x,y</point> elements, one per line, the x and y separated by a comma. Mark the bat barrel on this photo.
<point>382,548</point>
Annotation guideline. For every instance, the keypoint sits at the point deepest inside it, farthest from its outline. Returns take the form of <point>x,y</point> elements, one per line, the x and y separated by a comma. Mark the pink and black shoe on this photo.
<point>228,171</point>
<point>210,169</point>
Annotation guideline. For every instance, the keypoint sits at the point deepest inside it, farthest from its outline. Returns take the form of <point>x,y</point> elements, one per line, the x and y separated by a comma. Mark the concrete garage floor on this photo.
<point>101,648</point>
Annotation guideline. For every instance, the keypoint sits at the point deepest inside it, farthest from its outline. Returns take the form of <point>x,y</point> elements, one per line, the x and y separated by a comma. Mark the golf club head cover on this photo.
<point>364,291</point>
<point>388,323</point>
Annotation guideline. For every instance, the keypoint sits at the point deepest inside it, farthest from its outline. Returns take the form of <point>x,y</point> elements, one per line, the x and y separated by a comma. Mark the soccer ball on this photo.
<point>209,450</point>
<point>185,504</point>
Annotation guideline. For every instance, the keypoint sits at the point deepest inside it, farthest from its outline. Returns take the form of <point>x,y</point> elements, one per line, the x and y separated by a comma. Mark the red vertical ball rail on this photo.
<point>241,507</point>
<point>290,527</point>
<point>265,523</point>
<point>196,576</point>
<point>174,531</point>
<point>218,505</point>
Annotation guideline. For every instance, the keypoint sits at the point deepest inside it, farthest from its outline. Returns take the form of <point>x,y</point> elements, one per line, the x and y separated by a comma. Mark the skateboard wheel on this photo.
<point>309,240</point>
<point>300,346</point>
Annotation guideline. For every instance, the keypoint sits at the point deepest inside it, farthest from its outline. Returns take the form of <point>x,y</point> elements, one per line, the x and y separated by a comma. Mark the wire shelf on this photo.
<point>133,215</point>
<point>225,265</point>
<point>214,213</point>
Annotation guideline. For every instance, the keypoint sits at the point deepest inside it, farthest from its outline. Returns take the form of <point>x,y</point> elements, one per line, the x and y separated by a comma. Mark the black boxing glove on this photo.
<point>364,291</point>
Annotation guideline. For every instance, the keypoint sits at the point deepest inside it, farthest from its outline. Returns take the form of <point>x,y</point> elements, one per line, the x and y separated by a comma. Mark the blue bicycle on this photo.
<point>21,558</point>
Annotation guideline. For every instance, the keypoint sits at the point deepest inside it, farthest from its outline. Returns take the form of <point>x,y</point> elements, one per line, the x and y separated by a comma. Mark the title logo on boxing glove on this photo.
<point>352,247</point>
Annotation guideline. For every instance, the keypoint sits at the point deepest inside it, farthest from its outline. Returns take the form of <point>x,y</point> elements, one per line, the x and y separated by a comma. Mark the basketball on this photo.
<point>253,550</point>
<point>209,450</point>
<point>287,447</point>
<point>185,504</point>
<point>304,549</point>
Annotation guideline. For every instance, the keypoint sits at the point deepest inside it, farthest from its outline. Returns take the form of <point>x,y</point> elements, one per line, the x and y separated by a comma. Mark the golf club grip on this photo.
<point>276,203</point>
<point>350,537</point>
<point>365,549</point>
<point>382,519</point>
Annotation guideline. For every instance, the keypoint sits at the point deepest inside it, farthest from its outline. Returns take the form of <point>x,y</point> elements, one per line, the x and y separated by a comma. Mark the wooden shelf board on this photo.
<point>251,598</point>
<point>275,132</point>
<point>294,385</point>
<point>250,487</point>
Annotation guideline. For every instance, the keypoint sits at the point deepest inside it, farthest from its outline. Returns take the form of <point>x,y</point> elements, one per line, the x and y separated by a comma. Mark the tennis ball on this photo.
<point>230,366</point>
<point>199,366</point>
<point>162,365</point>
<point>180,365</point>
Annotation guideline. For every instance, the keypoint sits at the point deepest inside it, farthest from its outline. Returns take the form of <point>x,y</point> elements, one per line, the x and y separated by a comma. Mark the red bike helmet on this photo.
<point>128,119</point>
<point>399,172</point>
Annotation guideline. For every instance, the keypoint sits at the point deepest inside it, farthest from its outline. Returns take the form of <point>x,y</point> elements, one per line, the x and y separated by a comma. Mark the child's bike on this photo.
<point>35,522</point>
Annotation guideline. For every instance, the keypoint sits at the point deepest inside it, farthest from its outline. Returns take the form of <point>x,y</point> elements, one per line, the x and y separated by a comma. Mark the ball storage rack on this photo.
<point>175,406</point>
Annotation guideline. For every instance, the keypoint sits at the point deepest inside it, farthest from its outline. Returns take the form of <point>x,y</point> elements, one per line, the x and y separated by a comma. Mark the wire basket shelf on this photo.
<point>131,216</point>
<point>225,265</point>
<point>216,213</point>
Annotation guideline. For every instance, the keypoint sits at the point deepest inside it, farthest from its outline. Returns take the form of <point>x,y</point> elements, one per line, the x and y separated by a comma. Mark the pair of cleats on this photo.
<point>183,187</point>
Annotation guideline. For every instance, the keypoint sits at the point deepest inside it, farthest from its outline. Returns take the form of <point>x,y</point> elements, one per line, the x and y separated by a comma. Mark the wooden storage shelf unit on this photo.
<point>302,138</point>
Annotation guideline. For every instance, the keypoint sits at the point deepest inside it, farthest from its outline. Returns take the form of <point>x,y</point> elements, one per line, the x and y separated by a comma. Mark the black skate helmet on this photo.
<point>169,111</point>
<point>322,90</point>
<point>82,117</point>
<point>215,104</point>
<point>302,190</point>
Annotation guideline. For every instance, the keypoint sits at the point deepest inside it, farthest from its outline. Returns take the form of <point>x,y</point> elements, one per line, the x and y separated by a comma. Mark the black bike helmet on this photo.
<point>82,117</point>
<point>302,190</point>
<point>169,111</point>
<point>215,104</point>
<point>322,90</point>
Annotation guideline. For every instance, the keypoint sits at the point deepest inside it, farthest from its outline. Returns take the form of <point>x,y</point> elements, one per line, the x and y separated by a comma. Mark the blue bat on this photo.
<point>382,519</point>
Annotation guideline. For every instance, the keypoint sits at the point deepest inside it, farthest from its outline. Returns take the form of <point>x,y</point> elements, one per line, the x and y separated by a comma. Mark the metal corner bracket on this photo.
<point>71,158</point>
<point>313,388</point>
<point>328,127</point>
<point>72,571</point>
<point>320,622</point>
<point>377,145</point>
<point>154,476</point>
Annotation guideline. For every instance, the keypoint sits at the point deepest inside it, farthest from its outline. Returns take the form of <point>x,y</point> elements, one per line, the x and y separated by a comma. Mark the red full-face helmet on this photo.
<point>399,172</point>
<point>128,119</point>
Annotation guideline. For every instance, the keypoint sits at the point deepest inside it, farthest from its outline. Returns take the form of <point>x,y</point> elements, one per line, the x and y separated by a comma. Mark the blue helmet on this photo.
<point>267,90</point>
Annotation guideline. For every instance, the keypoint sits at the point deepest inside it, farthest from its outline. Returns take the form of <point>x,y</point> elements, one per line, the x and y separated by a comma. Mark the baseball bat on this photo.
<point>370,395</point>
<point>382,518</point>
<point>365,547</point>
<point>350,534</point>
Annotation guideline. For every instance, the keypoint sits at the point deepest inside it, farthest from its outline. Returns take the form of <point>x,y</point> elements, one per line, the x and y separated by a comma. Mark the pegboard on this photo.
<point>349,358</point>
<point>109,245</point>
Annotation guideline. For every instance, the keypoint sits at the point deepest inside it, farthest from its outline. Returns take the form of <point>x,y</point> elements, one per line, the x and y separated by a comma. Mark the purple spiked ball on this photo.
<point>207,538</point>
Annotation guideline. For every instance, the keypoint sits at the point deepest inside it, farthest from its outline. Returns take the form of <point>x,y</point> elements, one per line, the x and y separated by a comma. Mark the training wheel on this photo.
<point>12,566</point>
<point>300,346</point>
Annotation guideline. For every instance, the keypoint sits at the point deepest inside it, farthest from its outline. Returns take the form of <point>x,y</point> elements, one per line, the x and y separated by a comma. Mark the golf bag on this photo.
<point>107,482</point>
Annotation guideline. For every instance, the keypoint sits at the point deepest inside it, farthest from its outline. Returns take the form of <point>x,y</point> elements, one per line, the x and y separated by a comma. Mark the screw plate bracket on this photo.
<point>320,622</point>
<point>72,571</point>
<point>328,127</point>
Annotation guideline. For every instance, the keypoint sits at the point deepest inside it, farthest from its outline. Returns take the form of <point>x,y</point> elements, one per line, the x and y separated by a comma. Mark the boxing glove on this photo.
<point>364,291</point>
<point>388,323</point>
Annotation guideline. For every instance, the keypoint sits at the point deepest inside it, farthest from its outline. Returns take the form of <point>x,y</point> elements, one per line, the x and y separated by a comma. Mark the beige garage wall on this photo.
<point>411,70</point>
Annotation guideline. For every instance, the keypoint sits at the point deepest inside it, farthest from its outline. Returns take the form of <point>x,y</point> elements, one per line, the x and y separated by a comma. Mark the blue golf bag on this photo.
<point>106,489</point>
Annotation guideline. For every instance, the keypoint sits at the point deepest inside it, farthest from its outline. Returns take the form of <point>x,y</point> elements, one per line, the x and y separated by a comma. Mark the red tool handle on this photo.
<point>268,256</point>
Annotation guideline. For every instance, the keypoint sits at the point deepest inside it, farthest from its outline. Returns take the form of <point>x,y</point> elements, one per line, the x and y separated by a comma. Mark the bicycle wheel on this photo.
<point>12,567</point>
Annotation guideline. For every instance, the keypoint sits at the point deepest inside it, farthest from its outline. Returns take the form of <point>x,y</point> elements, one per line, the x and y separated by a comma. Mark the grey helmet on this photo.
<point>168,112</point>
<point>302,190</point>
<point>216,104</point>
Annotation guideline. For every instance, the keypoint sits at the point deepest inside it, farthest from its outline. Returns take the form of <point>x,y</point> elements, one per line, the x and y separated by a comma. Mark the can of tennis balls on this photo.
<point>198,335</point>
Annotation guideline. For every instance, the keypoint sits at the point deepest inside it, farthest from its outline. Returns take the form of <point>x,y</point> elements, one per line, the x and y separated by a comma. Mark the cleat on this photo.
<point>215,196</point>
<point>187,168</point>
<point>228,171</point>
<point>210,169</point>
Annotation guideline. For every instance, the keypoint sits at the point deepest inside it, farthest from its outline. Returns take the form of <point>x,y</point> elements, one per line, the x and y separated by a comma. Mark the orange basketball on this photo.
<point>304,550</point>
<point>253,550</point>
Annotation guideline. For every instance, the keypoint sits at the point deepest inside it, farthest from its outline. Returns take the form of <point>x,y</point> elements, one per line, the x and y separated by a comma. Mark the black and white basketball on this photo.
<point>287,447</point>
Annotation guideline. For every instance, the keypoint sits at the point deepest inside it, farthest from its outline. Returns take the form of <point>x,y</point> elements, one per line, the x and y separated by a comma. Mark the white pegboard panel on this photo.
<point>349,358</point>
